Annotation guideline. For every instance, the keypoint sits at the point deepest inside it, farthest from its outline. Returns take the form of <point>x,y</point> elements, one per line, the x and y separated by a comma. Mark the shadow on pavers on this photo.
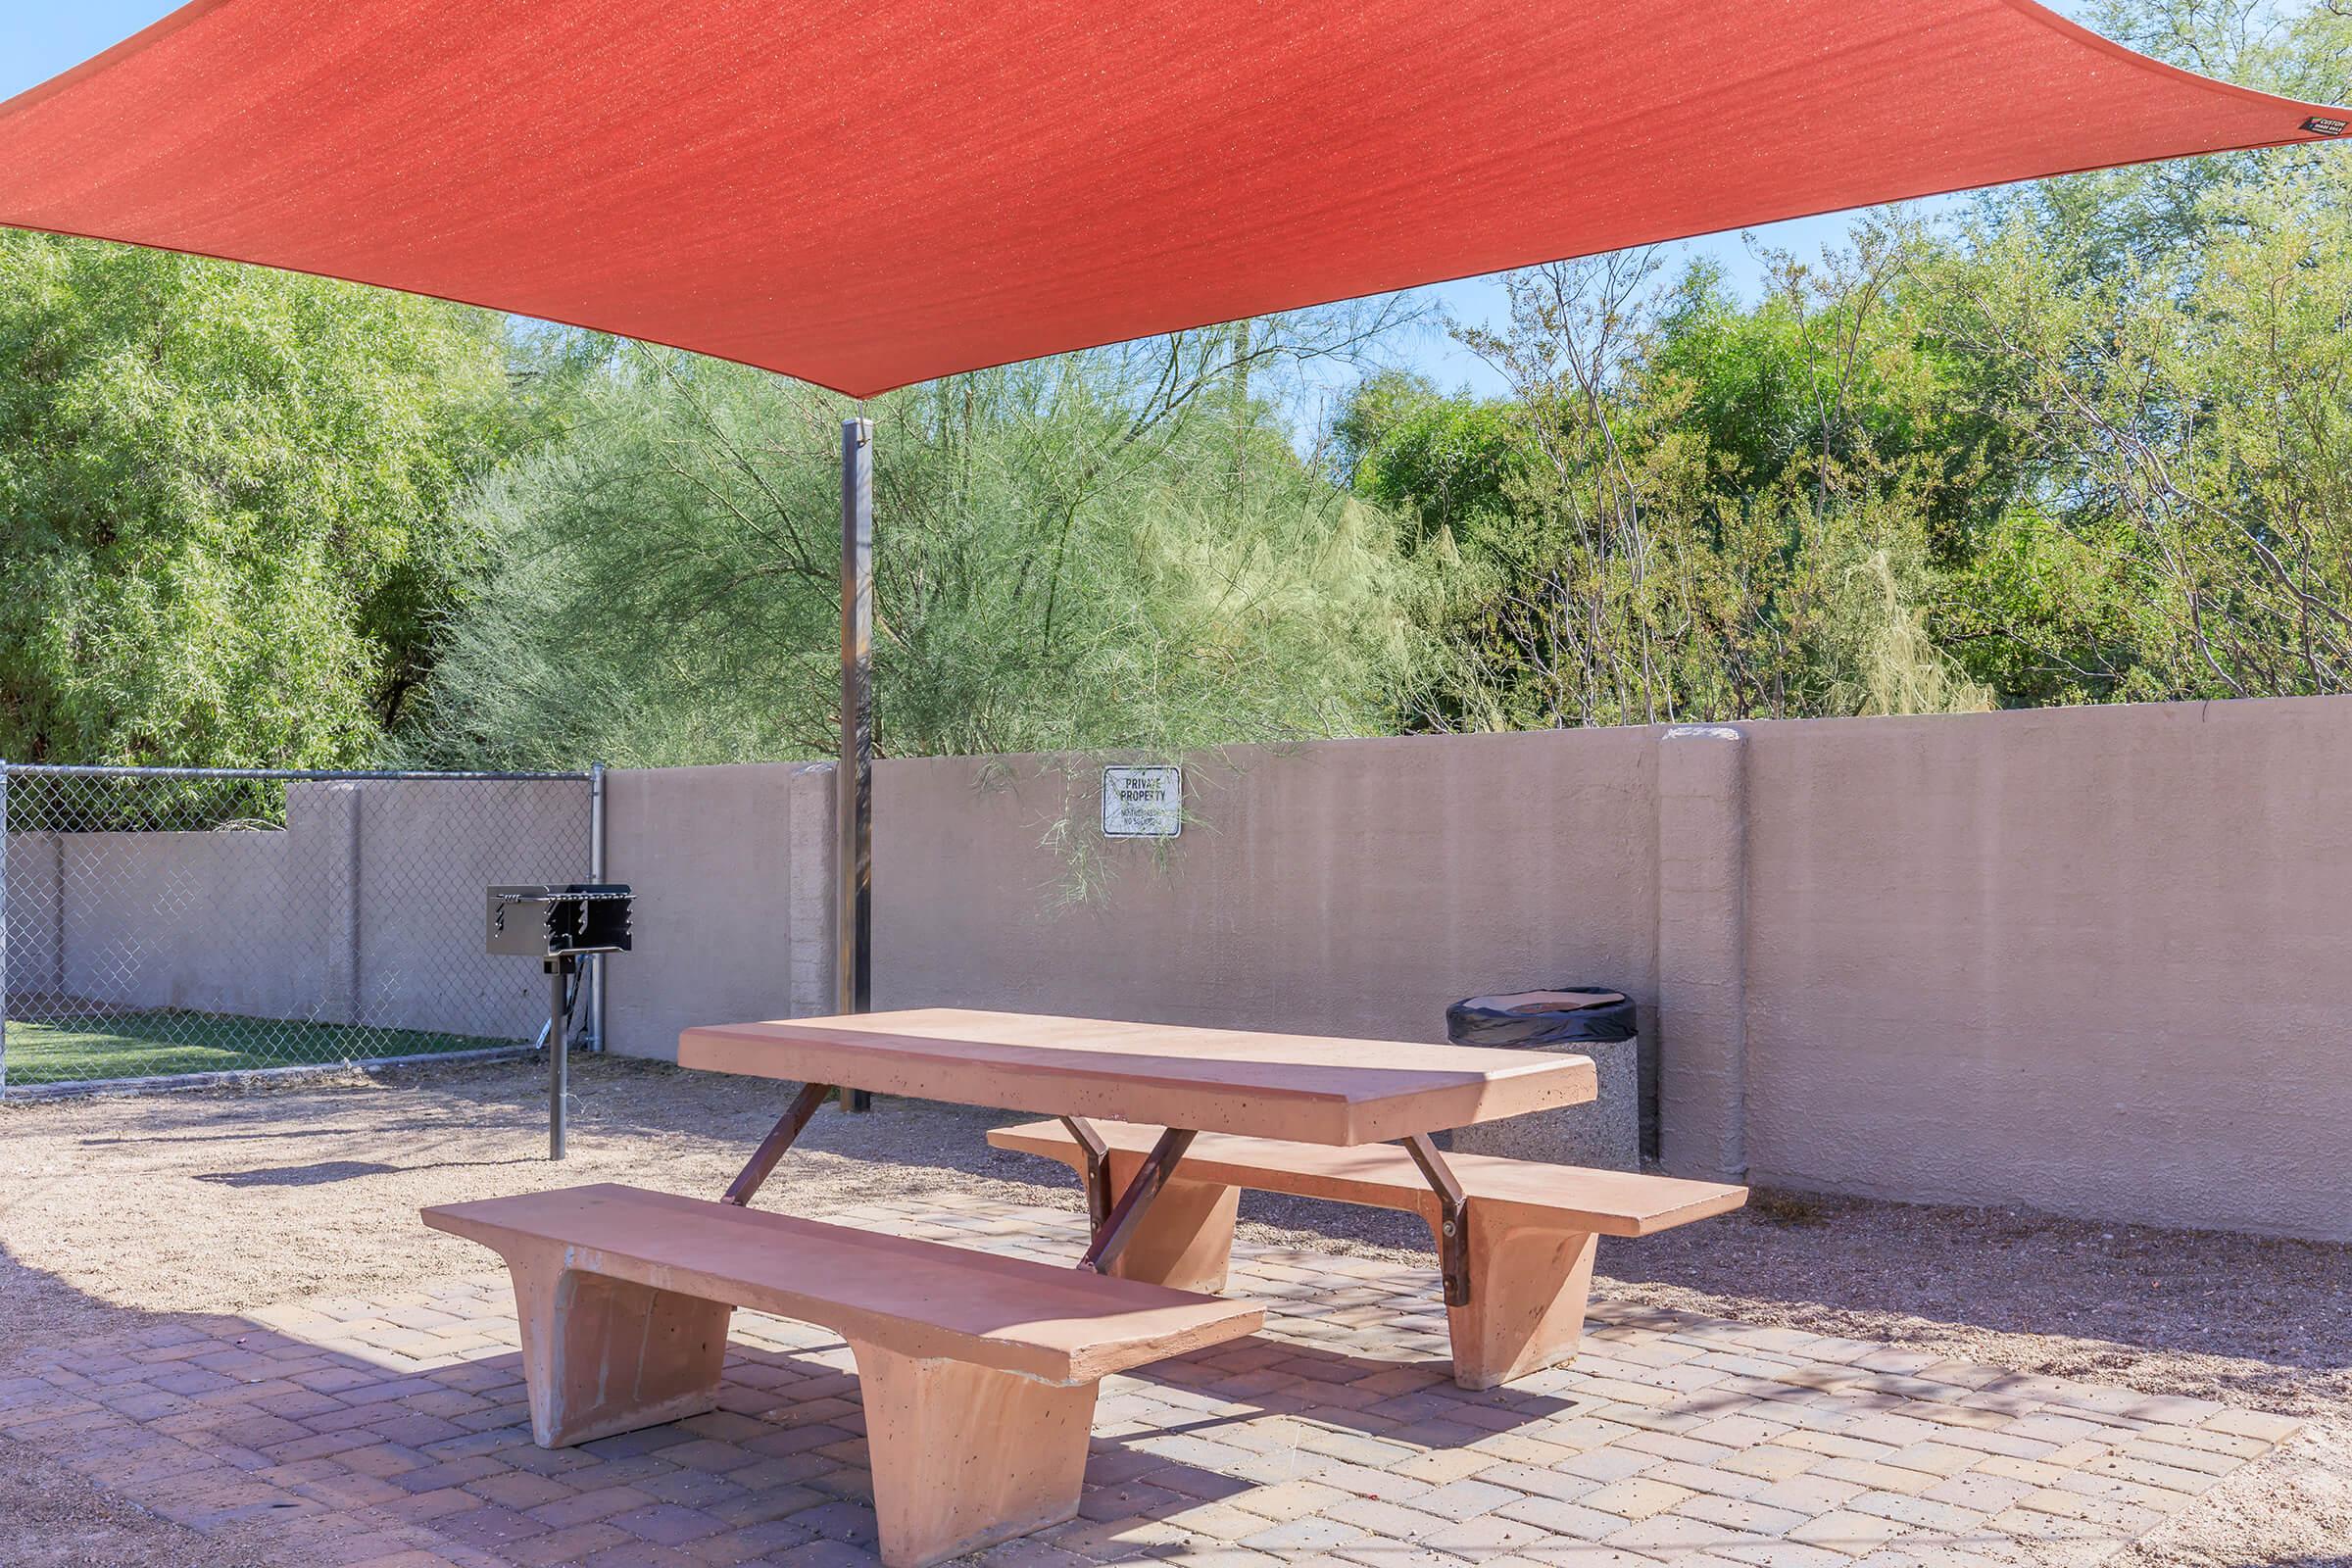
<point>249,1432</point>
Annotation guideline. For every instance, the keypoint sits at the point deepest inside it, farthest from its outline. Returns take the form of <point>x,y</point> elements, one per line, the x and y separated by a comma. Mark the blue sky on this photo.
<point>40,38</point>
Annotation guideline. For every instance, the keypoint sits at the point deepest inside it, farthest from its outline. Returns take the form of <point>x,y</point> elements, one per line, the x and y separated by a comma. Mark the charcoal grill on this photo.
<point>560,926</point>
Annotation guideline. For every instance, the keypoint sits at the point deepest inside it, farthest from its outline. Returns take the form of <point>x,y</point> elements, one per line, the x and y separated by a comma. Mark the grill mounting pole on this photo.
<point>853,778</point>
<point>568,929</point>
<point>559,1059</point>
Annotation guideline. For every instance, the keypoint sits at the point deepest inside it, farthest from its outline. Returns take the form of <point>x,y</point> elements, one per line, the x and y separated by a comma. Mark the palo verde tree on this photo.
<point>1114,548</point>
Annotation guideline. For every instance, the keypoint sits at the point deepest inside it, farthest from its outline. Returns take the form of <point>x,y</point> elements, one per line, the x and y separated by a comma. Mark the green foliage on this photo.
<point>1447,468</point>
<point>228,497</point>
<point>1111,549</point>
<point>2188,531</point>
<point>1689,510</point>
<point>2091,442</point>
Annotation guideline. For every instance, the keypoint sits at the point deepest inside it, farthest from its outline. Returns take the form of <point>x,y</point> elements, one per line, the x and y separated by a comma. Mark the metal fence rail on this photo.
<point>160,922</point>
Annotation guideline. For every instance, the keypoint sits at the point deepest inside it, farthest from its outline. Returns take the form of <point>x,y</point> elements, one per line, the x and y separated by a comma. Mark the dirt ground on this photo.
<point>112,1210</point>
<point>52,1518</point>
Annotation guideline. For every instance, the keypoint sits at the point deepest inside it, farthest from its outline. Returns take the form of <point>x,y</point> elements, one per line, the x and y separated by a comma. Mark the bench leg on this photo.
<point>602,1356</point>
<point>964,1456</point>
<point>1185,1239</point>
<point>1528,1289</point>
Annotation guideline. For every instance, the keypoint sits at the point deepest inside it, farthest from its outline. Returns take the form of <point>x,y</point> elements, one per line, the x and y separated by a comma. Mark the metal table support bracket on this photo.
<point>779,1139</point>
<point>1111,1236</point>
<point>1453,1218</point>
<point>1097,1170</point>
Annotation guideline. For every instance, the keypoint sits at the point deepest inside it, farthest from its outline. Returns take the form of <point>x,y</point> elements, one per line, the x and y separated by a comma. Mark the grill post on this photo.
<point>853,776</point>
<point>559,1059</point>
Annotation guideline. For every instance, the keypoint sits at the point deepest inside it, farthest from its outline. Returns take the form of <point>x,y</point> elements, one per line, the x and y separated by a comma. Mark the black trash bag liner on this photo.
<point>1542,1017</point>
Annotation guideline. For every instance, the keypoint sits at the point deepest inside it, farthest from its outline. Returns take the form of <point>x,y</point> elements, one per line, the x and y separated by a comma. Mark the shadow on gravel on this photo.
<point>341,1170</point>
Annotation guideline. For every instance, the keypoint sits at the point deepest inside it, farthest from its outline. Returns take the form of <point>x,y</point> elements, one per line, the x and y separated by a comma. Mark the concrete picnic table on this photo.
<point>624,1294</point>
<point>1297,1087</point>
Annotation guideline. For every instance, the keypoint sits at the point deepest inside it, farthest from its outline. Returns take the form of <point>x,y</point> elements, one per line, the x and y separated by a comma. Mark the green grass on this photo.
<point>150,1045</point>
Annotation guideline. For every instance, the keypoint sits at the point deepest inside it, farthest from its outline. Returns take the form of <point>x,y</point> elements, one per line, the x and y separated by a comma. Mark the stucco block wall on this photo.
<point>35,948</point>
<point>2093,960</point>
<point>2087,960</point>
<point>2098,960</point>
<point>146,921</point>
<point>1346,888</point>
<point>731,868</point>
<point>1701,850</point>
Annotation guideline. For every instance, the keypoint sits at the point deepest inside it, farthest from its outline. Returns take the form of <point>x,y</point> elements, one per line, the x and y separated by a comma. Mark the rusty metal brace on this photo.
<point>1111,1236</point>
<point>1453,1218</point>
<point>779,1139</point>
<point>1098,1169</point>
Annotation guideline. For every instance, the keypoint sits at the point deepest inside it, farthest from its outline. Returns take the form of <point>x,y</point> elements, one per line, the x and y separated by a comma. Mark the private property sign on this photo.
<point>1142,802</point>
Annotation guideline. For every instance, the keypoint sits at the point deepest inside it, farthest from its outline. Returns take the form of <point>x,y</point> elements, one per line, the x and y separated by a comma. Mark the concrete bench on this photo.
<point>1532,1227</point>
<point>978,1372</point>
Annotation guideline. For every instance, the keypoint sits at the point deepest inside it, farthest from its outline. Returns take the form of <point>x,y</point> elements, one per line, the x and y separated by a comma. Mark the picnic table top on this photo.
<point>1306,1088</point>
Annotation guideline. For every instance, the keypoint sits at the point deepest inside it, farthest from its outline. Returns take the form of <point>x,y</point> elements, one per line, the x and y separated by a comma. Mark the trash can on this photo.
<point>1571,1020</point>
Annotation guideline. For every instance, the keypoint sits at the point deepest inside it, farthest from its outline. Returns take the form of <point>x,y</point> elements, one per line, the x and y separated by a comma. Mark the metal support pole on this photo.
<point>559,1059</point>
<point>853,778</point>
<point>596,874</point>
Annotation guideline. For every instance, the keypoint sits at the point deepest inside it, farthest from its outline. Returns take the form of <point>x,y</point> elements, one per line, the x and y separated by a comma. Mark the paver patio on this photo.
<point>391,1431</point>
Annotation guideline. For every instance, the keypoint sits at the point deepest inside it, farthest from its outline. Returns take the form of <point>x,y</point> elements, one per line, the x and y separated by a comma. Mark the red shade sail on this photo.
<point>876,192</point>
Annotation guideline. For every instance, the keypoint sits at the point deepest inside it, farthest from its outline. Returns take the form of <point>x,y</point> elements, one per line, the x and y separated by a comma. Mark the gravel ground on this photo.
<point>224,1202</point>
<point>52,1518</point>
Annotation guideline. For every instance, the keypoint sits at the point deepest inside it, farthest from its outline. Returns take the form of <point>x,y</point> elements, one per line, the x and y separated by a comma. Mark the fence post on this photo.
<point>596,873</point>
<point>328,828</point>
<point>3,926</point>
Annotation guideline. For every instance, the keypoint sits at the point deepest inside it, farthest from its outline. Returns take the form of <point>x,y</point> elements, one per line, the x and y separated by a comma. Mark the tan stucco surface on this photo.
<point>2095,960</point>
<point>731,870</point>
<point>2098,960</point>
<point>1345,888</point>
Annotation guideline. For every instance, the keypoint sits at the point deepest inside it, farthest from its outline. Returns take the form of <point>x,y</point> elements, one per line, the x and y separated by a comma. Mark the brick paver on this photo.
<point>391,1433</point>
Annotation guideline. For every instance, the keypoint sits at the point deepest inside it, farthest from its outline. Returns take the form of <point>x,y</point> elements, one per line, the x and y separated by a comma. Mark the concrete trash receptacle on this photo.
<point>1572,1020</point>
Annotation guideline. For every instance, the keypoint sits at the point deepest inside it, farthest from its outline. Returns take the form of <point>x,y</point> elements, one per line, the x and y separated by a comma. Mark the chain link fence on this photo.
<point>162,922</point>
